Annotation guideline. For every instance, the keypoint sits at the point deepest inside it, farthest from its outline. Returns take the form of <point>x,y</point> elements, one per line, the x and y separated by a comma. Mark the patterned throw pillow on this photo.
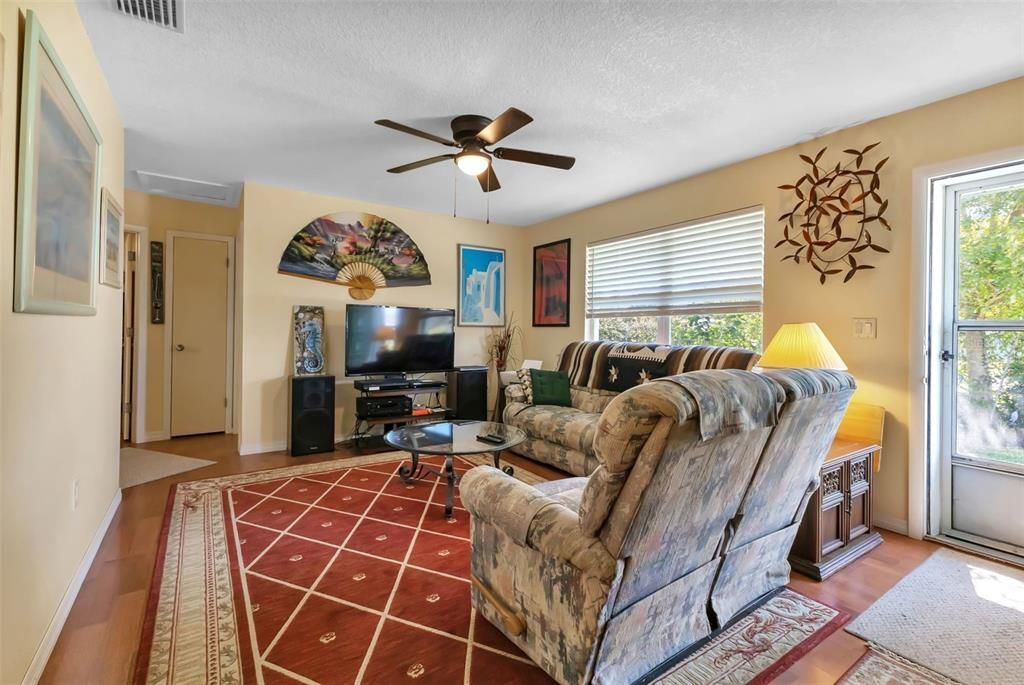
<point>526,380</point>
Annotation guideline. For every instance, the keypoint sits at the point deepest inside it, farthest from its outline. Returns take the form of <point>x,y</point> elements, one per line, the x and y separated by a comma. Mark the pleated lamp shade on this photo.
<point>801,346</point>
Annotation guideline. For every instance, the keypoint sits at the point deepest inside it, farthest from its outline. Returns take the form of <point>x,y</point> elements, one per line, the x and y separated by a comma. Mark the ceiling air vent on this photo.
<point>168,14</point>
<point>224,194</point>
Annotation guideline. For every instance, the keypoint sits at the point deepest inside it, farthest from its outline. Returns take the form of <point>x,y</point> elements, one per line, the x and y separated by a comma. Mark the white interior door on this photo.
<point>200,317</point>
<point>982,413</point>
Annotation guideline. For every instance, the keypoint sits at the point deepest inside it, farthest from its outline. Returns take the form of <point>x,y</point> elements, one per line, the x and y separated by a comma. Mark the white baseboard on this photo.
<point>278,445</point>
<point>42,655</point>
<point>154,436</point>
<point>262,447</point>
<point>892,523</point>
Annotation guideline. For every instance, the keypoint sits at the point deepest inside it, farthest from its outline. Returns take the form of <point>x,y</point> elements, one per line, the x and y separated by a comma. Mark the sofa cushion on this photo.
<point>591,401</point>
<point>550,387</point>
<point>565,426</point>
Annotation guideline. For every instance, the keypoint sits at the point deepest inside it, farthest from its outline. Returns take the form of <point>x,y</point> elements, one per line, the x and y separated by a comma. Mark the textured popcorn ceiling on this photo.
<point>642,94</point>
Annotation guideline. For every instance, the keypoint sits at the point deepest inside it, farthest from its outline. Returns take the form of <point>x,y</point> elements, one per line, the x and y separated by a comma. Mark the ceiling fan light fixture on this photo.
<point>473,161</point>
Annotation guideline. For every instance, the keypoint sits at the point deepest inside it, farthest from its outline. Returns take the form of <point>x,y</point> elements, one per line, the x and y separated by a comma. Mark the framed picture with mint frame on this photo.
<point>58,201</point>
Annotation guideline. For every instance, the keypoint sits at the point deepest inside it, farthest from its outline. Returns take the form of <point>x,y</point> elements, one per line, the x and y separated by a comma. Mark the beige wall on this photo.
<point>159,215</point>
<point>271,217</point>
<point>60,393</point>
<point>974,123</point>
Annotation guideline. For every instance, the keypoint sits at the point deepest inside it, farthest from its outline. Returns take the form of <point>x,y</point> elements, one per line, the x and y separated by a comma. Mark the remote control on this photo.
<point>491,438</point>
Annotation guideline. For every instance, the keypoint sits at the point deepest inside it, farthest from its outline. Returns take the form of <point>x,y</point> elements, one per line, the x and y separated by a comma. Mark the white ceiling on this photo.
<point>642,94</point>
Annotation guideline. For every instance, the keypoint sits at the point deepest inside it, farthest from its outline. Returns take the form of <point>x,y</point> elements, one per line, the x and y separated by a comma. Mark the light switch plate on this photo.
<point>865,328</point>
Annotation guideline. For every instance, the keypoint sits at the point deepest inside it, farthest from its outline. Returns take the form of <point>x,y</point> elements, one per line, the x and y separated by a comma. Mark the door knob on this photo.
<point>179,348</point>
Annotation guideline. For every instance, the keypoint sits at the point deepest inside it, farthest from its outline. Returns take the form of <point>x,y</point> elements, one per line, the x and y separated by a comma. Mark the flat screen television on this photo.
<point>393,340</point>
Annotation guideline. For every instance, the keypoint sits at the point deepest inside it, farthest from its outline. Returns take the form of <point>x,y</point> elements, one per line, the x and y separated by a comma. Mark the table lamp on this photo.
<point>801,346</point>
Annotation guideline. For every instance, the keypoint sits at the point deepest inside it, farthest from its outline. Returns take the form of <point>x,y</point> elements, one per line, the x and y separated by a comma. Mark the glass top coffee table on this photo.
<point>450,439</point>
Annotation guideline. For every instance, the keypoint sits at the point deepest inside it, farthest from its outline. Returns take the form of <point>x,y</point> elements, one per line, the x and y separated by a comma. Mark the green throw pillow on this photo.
<point>550,387</point>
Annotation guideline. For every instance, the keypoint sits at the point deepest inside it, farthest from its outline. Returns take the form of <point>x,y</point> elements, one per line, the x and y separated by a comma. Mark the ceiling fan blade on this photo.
<point>416,165</point>
<point>387,123</point>
<point>507,123</point>
<point>488,181</point>
<point>541,158</point>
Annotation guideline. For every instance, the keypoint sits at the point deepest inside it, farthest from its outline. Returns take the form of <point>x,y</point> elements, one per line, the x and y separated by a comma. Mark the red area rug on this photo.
<point>339,572</point>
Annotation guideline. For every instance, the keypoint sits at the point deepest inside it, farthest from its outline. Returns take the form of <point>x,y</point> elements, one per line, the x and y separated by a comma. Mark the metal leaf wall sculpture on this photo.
<point>836,208</point>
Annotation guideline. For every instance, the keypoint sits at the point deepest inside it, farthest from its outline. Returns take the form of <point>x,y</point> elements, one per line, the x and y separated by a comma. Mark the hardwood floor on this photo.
<point>99,641</point>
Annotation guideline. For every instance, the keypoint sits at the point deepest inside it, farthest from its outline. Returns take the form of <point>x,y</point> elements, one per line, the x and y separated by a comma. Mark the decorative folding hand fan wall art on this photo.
<point>830,224</point>
<point>361,251</point>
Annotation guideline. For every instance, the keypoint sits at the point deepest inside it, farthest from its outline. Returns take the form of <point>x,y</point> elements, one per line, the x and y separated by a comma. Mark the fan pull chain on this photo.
<point>455,190</point>
<point>487,196</point>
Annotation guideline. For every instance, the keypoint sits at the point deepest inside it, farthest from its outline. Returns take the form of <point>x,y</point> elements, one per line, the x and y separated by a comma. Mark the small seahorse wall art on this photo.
<point>308,329</point>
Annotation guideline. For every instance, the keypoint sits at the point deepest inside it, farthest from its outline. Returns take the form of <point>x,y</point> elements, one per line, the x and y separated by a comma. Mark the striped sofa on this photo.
<point>599,371</point>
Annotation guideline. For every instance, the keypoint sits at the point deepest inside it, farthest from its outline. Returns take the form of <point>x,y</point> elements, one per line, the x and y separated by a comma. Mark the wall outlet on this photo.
<point>865,328</point>
<point>74,494</point>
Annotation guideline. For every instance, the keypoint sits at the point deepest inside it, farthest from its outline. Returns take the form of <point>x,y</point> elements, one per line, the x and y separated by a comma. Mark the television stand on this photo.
<point>393,387</point>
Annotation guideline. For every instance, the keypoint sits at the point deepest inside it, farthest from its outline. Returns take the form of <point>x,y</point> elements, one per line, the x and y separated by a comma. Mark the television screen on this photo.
<point>381,340</point>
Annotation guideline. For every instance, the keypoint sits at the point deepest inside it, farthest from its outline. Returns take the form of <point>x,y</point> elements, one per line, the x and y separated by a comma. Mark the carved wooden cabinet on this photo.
<point>836,528</point>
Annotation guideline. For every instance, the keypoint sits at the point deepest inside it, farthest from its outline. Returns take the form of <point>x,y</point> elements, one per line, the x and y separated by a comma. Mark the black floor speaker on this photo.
<point>467,393</point>
<point>311,421</point>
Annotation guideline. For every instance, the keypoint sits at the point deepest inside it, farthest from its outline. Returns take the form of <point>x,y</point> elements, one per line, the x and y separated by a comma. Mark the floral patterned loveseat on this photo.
<point>598,371</point>
<point>685,524</point>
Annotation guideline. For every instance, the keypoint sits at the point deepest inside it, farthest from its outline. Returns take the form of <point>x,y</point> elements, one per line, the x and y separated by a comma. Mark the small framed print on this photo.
<point>111,242</point>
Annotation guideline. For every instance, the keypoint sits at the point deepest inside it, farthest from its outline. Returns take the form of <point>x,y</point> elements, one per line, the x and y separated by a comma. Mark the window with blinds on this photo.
<point>713,265</point>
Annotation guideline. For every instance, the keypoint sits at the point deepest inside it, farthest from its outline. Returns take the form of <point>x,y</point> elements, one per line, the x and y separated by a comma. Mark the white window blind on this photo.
<point>715,264</point>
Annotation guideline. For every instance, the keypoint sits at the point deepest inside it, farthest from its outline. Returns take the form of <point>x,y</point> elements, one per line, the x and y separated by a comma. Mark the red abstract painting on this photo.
<point>551,284</point>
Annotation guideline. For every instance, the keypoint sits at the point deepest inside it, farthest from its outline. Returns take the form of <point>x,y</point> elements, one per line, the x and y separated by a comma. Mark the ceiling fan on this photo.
<point>474,134</point>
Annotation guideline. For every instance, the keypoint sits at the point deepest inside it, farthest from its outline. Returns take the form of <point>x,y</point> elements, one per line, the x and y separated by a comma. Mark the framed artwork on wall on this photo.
<point>58,212</point>
<point>551,283</point>
<point>111,242</point>
<point>481,286</point>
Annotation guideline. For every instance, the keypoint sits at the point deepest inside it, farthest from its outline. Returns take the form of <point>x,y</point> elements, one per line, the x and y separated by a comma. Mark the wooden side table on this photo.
<point>837,526</point>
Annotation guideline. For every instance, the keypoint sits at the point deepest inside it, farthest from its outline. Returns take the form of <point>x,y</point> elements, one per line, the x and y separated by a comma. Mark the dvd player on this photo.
<point>372,384</point>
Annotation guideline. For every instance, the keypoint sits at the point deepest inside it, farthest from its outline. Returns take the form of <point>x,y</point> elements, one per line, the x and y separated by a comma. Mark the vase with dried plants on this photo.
<point>501,341</point>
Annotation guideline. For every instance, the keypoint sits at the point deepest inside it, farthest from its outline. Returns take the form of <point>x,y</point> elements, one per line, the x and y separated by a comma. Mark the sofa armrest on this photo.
<point>514,393</point>
<point>532,519</point>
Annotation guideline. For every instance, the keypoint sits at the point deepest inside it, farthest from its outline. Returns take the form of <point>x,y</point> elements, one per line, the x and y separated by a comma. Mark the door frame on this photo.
<point>229,372</point>
<point>925,340</point>
<point>140,334</point>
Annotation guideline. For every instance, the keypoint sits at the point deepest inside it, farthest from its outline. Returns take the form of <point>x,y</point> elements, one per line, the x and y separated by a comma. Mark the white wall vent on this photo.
<point>223,194</point>
<point>168,14</point>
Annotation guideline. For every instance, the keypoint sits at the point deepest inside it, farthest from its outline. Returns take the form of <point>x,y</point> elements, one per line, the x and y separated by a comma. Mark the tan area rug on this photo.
<point>878,666</point>
<point>140,466</point>
<point>958,615</point>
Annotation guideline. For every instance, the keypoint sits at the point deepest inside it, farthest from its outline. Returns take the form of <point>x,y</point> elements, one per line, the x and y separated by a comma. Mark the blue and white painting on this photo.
<point>58,185</point>
<point>481,286</point>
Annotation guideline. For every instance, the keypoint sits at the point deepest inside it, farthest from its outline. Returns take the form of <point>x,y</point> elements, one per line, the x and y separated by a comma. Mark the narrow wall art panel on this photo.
<point>361,251</point>
<point>308,328</point>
